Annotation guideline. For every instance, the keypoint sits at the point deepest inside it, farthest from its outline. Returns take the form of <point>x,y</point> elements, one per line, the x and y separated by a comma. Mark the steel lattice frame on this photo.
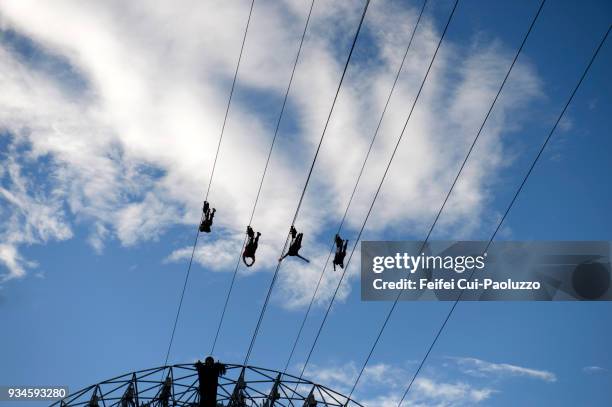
<point>240,386</point>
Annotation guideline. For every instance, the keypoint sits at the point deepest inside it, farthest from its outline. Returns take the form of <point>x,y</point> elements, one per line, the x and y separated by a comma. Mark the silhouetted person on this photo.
<point>295,245</point>
<point>310,401</point>
<point>166,392</point>
<point>208,377</point>
<point>340,252</point>
<point>208,218</point>
<point>93,402</point>
<point>128,397</point>
<point>251,247</point>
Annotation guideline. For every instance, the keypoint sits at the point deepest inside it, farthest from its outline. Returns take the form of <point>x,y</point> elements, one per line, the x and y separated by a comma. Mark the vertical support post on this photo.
<point>128,400</point>
<point>135,382</point>
<point>94,400</point>
<point>237,399</point>
<point>167,391</point>
<point>310,400</point>
<point>274,394</point>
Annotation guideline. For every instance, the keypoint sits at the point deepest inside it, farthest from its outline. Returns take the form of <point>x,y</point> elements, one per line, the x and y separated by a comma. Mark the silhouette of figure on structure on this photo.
<point>208,377</point>
<point>166,392</point>
<point>340,252</point>
<point>295,245</point>
<point>128,397</point>
<point>310,401</point>
<point>251,247</point>
<point>208,218</point>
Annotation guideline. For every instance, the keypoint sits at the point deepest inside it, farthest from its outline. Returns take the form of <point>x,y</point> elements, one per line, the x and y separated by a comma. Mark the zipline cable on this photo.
<point>229,100</point>
<point>450,17</point>
<point>382,116</point>
<point>178,311</point>
<point>263,175</point>
<point>195,243</point>
<point>274,278</point>
<point>392,309</point>
<point>514,198</point>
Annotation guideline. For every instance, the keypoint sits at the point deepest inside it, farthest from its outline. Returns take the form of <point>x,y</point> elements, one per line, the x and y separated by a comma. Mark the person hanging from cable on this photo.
<point>295,245</point>
<point>208,378</point>
<point>340,252</point>
<point>208,218</point>
<point>251,247</point>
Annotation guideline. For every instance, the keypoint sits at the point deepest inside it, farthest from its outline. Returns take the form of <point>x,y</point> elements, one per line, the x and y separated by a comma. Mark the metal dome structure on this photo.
<point>246,386</point>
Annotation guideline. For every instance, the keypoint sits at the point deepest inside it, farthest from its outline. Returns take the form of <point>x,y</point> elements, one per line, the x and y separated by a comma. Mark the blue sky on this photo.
<point>108,124</point>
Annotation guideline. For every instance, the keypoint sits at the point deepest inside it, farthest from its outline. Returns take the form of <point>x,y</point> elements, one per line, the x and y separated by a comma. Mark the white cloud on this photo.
<point>594,370</point>
<point>383,384</point>
<point>218,255</point>
<point>132,148</point>
<point>427,392</point>
<point>12,260</point>
<point>480,367</point>
<point>145,219</point>
<point>30,214</point>
<point>380,374</point>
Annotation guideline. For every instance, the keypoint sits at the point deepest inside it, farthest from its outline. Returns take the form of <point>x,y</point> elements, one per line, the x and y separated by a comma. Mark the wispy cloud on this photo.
<point>219,255</point>
<point>383,384</point>
<point>481,367</point>
<point>379,374</point>
<point>30,213</point>
<point>427,390</point>
<point>594,370</point>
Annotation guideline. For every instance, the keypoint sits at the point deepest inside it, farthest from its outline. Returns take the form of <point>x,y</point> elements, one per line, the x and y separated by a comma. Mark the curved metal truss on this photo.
<point>246,386</point>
